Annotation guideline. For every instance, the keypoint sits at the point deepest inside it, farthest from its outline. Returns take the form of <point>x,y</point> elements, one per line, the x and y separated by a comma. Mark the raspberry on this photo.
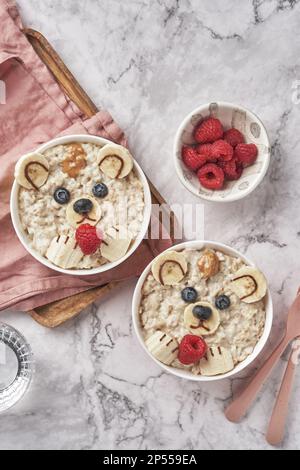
<point>191,349</point>
<point>232,170</point>
<point>246,154</point>
<point>208,130</point>
<point>192,159</point>
<point>88,238</point>
<point>205,149</point>
<point>221,150</point>
<point>234,137</point>
<point>211,176</point>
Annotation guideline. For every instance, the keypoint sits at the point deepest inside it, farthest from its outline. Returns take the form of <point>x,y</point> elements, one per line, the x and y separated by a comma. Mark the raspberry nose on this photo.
<point>83,206</point>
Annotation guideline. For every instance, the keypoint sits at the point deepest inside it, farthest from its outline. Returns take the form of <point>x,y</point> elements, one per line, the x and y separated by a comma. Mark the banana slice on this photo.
<point>32,171</point>
<point>249,284</point>
<point>169,268</point>
<point>201,327</point>
<point>217,361</point>
<point>115,244</point>
<point>91,218</point>
<point>163,347</point>
<point>64,252</point>
<point>115,161</point>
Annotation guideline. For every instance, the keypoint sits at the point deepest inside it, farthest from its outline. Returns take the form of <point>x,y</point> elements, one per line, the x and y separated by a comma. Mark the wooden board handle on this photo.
<point>60,311</point>
<point>61,73</point>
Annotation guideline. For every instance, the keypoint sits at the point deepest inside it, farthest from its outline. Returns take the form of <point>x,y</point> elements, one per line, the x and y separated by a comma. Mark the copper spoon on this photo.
<point>276,428</point>
<point>238,408</point>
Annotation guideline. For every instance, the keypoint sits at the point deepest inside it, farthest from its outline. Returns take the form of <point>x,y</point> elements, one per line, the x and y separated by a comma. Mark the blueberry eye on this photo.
<point>222,302</point>
<point>61,195</point>
<point>100,190</point>
<point>189,294</point>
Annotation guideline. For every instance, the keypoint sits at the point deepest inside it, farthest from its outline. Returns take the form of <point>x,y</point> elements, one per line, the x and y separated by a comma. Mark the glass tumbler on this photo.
<point>16,366</point>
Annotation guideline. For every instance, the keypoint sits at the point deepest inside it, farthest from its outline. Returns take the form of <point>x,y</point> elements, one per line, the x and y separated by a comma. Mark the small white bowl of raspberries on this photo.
<point>221,152</point>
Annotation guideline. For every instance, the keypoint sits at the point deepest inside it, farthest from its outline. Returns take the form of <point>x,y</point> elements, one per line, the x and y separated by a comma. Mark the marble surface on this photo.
<point>150,63</point>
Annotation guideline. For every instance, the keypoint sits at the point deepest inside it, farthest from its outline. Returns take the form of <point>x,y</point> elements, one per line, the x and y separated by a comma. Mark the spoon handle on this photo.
<point>238,408</point>
<point>276,428</point>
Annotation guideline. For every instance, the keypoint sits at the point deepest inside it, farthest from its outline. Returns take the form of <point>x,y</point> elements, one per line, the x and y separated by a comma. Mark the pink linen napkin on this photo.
<point>34,110</point>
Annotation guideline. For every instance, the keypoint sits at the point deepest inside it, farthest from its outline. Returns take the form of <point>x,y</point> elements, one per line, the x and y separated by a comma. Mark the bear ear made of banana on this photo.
<point>169,268</point>
<point>32,171</point>
<point>115,161</point>
<point>249,285</point>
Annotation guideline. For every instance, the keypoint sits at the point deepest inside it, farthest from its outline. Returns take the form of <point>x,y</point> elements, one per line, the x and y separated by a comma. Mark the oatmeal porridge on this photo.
<point>81,205</point>
<point>202,310</point>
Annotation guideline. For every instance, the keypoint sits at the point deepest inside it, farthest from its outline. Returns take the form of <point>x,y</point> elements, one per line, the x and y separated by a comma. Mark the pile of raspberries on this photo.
<point>218,155</point>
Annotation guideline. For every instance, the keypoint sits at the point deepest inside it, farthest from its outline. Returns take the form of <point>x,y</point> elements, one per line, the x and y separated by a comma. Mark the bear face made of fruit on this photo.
<point>193,301</point>
<point>82,212</point>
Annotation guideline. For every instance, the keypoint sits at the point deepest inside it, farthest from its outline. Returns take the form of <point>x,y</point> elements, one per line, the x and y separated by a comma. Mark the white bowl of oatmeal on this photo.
<point>213,280</point>
<point>80,204</point>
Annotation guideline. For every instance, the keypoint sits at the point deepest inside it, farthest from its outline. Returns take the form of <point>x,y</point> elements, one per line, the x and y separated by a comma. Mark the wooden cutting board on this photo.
<point>58,312</point>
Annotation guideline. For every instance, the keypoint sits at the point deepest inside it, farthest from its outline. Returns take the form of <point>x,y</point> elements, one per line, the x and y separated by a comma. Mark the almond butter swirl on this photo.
<point>74,161</point>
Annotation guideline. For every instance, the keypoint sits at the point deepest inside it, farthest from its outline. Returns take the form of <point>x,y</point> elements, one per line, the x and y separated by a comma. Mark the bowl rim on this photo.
<point>190,187</point>
<point>199,244</point>
<point>82,138</point>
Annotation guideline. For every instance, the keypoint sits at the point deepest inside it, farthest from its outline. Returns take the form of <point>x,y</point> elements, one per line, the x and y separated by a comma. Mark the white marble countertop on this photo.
<point>150,63</point>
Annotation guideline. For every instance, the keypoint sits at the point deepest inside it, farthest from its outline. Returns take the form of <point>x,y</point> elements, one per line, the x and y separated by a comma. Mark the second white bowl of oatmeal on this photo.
<point>80,138</point>
<point>198,245</point>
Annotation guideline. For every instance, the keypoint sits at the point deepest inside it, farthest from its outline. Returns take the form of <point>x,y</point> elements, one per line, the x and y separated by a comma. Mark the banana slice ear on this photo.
<point>249,284</point>
<point>115,161</point>
<point>115,245</point>
<point>201,327</point>
<point>169,268</point>
<point>218,360</point>
<point>32,171</point>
